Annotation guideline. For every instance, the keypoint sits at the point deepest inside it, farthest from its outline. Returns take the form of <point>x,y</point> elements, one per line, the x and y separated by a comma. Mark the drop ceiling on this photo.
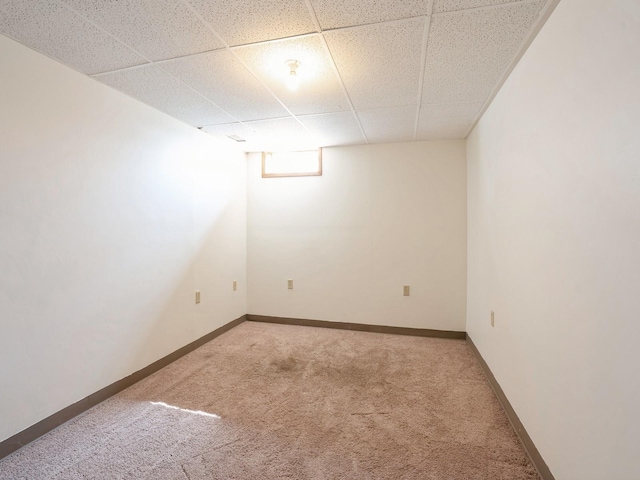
<point>371,71</point>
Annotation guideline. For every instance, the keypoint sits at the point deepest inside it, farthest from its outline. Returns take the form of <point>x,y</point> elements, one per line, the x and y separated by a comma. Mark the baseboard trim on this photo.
<point>518,427</point>
<point>44,426</point>
<point>35,431</point>
<point>360,327</point>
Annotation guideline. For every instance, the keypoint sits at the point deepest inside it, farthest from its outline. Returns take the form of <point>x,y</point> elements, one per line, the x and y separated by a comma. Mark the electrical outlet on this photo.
<point>235,285</point>
<point>492,318</point>
<point>290,284</point>
<point>197,296</point>
<point>406,291</point>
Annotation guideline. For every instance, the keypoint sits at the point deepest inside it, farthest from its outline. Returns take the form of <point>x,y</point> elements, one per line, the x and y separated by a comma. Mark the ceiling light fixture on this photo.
<point>292,78</point>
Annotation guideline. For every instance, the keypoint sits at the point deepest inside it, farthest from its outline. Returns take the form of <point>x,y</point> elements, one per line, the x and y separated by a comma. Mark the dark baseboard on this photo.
<point>360,327</point>
<point>529,446</point>
<point>28,435</point>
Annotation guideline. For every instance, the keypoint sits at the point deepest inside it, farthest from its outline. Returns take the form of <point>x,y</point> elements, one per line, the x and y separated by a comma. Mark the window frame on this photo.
<point>318,173</point>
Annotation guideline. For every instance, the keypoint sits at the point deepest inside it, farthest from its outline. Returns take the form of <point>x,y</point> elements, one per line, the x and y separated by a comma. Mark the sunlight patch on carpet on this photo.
<point>194,412</point>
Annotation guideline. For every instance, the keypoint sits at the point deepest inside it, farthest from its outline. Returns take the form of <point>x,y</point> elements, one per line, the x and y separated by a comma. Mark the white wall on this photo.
<point>111,216</point>
<point>380,217</point>
<point>554,239</point>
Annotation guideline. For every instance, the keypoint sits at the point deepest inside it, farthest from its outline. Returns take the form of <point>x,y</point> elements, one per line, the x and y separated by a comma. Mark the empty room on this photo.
<point>320,239</point>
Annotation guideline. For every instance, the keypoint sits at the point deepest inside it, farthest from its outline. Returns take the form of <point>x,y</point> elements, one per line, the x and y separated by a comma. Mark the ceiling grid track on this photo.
<point>428,45</point>
<point>544,14</point>
<point>485,7</point>
<point>78,14</point>
<point>386,23</point>
<point>423,66</point>
<point>150,62</point>
<point>230,50</point>
<point>319,31</point>
<point>202,54</point>
<point>325,45</point>
<point>120,70</point>
<point>273,40</point>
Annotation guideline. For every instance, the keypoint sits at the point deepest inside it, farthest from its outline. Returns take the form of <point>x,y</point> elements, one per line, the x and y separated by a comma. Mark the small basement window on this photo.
<point>292,164</point>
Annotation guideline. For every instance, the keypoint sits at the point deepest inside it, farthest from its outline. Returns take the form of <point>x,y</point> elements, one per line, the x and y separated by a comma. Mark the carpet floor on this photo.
<point>267,401</point>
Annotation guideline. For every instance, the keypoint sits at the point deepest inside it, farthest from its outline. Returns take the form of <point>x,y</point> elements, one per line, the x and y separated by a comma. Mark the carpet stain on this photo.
<point>287,365</point>
<point>266,401</point>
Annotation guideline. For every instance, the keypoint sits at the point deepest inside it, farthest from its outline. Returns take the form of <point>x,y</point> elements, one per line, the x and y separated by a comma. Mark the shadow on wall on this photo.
<point>115,251</point>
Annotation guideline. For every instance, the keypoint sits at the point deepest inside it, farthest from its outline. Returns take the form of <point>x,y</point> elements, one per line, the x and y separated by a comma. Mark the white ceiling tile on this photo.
<point>248,21</point>
<point>280,134</point>
<point>343,13</point>
<point>440,6</point>
<point>379,64</point>
<point>446,120</point>
<point>319,90</point>
<point>334,128</point>
<point>468,51</point>
<point>160,90</point>
<point>157,29</point>
<point>287,134</point>
<point>394,124</point>
<point>224,80</point>
<point>54,30</point>
<point>225,131</point>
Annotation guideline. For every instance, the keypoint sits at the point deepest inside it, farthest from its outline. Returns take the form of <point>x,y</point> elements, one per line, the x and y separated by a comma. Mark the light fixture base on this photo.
<point>292,77</point>
<point>292,64</point>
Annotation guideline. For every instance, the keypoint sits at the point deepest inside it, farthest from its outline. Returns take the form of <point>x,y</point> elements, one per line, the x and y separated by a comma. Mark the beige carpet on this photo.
<point>283,402</point>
